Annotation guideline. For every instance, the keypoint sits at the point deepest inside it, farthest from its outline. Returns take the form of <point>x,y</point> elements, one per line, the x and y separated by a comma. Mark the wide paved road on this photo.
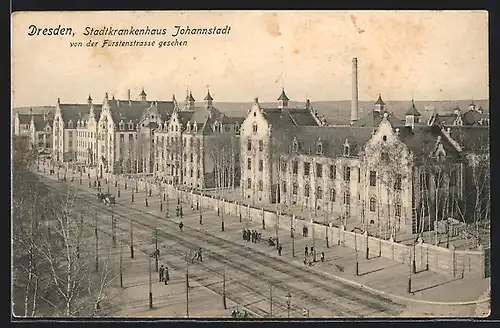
<point>252,278</point>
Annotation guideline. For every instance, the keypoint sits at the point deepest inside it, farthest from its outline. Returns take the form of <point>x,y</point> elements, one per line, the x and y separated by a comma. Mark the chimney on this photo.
<point>128,95</point>
<point>354,100</point>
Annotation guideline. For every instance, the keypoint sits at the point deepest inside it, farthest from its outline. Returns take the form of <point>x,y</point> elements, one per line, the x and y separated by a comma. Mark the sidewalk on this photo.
<point>381,274</point>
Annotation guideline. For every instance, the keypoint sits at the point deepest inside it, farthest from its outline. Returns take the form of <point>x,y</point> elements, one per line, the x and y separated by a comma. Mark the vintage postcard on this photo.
<point>250,164</point>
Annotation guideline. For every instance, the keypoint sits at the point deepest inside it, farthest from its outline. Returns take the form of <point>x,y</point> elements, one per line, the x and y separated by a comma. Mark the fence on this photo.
<point>456,263</point>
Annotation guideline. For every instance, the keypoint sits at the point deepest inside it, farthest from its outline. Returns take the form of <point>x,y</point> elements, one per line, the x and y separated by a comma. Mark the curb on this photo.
<point>389,295</point>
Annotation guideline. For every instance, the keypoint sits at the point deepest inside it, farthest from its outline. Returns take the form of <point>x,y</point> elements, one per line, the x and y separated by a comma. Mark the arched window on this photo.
<point>347,198</point>
<point>319,192</point>
<point>373,204</point>
<point>332,195</point>
<point>249,183</point>
<point>295,188</point>
<point>306,190</point>
<point>295,145</point>
<point>398,210</point>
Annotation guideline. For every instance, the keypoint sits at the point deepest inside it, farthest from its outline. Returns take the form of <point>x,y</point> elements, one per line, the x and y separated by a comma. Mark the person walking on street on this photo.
<point>244,234</point>
<point>166,276</point>
<point>305,260</point>
<point>181,225</point>
<point>280,248</point>
<point>160,273</point>
<point>200,257</point>
<point>306,251</point>
<point>322,256</point>
<point>303,231</point>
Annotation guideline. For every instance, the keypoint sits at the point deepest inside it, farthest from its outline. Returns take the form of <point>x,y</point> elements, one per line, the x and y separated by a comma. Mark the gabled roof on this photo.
<point>444,119</point>
<point>40,123</point>
<point>471,138</point>
<point>421,140</point>
<point>332,139</point>
<point>472,117</point>
<point>373,119</point>
<point>73,112</point>
<point>290,117</point>
<point>412,110</point>
<point>24,118</point>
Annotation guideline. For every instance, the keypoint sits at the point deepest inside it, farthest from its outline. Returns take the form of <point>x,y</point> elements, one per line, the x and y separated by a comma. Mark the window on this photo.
<point>261,145</point>
<point>261,185</point>
<point>254,127</point>
<point>332,171</point>
<point>284,187</point>
<point>191,173</point>
<point>197,174</point>
<point>373,204</point>
<point>295,146</point>
<point>373,178</point>
<point>249,183</point>
<point>307,168</point>
<point>319,149</point>
<point>347,173</point>
<point>295,188</point>
<point>283,166</point>
<point>397,183</point>
<point>191,157</point>
<point>347,197</point>
<point>249,163</point>
<point>121,125</point>
<point>332,195</point>
<point>306,190</point>
<point>261,165</point>
<point>319,192</point>
<point>249,145</point>
<point>398,210</point>
<point>295,167</point>
<point>319,170</point>
<point>453,178</point>
<point>347,150</point>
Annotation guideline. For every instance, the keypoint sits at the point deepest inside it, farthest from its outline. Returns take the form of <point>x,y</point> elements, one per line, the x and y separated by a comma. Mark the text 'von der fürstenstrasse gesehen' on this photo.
<point>176,31</point>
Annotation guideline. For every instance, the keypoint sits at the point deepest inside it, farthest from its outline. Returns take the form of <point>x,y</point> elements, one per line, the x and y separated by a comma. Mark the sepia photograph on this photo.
<point>244,165</point>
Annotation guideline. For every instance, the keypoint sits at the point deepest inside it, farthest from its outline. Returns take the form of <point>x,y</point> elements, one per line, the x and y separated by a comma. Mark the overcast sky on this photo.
<point>424,55</point>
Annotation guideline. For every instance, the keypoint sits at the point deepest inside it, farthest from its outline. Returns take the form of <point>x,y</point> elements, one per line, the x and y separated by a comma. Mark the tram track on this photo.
<point>341,293</point>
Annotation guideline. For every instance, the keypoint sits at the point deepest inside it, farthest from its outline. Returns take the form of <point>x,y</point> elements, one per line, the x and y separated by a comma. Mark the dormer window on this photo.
<point>70,124</point>
<point>347,149</point>
<point>295,145</point>
<point>121,125</point>
<point>319,148</point>
<point>188,128</point>
<point>254,128</point>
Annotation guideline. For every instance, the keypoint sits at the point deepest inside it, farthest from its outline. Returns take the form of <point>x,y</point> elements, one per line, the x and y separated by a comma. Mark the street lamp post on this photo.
<point>409,275</point>
<point>356,250</point>
<point>288,303</point>
<point>222,216</point>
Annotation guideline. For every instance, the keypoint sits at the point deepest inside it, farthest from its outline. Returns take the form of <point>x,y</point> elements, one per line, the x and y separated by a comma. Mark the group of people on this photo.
<point>252,236</point>
<point>238,314</point>
<point>163,274</point>
<point>310,256</point>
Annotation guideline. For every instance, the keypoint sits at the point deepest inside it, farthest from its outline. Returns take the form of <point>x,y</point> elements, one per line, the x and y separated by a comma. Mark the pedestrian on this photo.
<point>305,260</point>
<point>306,251</point>
<point>322,256</point>
<point>244,234</point>
<point>180,226</point>
<point>280,248</point>
<point>166,276</point>
<point>303,231</point>
<point>200,257</point>
<point>253,236</point>
<point>160,273</point>
<point>249,235</point>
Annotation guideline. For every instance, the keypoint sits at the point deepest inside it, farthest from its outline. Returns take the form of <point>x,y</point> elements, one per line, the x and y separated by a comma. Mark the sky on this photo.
<point>438,55</point>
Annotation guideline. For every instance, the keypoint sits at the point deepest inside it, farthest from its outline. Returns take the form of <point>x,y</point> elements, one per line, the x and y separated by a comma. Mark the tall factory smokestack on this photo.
<point>354,100</point>
<point>128,94</point>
